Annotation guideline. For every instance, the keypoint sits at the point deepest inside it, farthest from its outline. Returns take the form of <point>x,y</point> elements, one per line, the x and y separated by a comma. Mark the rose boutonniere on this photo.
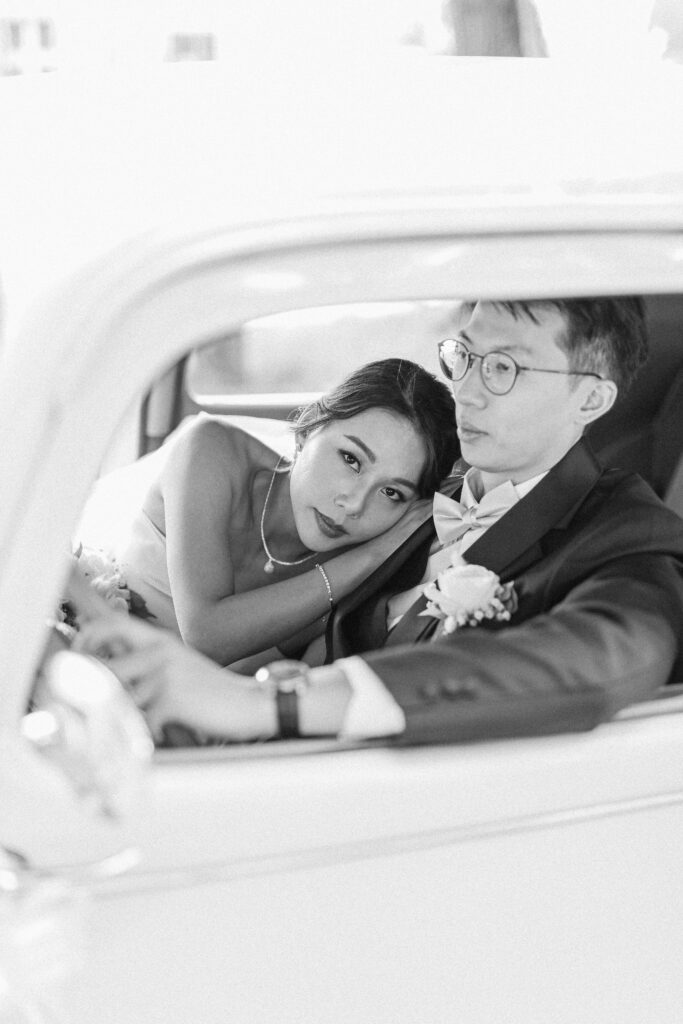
<point>465,595</point>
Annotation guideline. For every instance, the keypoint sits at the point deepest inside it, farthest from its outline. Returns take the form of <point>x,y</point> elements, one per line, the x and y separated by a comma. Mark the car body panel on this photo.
<point>410,888</point>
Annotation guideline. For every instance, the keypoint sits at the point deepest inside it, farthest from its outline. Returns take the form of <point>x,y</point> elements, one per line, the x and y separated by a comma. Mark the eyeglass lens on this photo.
<point>498,370</point>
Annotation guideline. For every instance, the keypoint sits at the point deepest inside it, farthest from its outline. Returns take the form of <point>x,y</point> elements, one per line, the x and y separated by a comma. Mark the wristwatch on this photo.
<point>286,680</point>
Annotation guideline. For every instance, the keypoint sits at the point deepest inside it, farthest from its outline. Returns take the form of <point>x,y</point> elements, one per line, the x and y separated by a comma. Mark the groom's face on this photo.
<point>526,431</point>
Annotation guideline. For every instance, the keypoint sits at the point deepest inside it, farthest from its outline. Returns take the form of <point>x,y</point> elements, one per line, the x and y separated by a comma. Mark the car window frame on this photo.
<point>172,293</point>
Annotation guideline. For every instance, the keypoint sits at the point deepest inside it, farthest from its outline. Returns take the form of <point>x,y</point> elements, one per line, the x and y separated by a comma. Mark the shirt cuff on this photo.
<point>372,711</point>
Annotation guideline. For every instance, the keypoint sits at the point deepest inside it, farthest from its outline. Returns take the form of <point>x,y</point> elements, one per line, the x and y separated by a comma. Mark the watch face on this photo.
<point>290,684</point>
<point>284,676</point>
<point>291,676</point>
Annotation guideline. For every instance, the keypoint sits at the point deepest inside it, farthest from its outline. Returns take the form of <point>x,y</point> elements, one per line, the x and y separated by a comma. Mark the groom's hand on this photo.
<point>172,683</point>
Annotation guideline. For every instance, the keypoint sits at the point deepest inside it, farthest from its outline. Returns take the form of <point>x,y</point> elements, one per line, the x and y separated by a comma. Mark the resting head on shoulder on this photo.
<point>361,456</point>
<point>597,618</point>
<point>228,515</point>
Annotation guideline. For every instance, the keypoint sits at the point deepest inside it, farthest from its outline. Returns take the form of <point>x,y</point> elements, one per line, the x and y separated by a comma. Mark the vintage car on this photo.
<point>231,241</point>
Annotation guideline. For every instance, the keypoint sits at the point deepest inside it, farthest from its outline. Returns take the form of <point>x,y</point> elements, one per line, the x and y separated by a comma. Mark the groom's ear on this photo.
<point>598,398</point>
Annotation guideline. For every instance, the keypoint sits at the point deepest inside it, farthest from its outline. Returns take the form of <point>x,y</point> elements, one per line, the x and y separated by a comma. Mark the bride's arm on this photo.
<point>209,474</point>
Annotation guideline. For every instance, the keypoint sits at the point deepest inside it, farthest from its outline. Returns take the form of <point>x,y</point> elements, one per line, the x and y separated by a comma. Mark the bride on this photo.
<point>240,552</point>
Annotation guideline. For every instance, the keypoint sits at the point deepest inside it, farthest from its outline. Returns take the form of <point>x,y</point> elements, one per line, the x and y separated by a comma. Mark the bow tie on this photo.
<point>452,519</point>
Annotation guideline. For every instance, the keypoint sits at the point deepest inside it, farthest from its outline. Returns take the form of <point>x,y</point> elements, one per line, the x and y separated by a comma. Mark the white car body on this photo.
<point>530,880</point>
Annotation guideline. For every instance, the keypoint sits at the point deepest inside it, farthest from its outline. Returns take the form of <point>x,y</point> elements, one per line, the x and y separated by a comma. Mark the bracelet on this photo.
<point>326,581</point>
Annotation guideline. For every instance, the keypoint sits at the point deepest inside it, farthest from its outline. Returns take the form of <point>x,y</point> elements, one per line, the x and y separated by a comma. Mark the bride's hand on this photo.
<point>350,568</point>
<point>389,541</point>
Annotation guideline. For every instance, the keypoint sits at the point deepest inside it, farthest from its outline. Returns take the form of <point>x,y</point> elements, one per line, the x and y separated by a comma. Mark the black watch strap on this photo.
<point>287,704</point>
<point>288,679</point>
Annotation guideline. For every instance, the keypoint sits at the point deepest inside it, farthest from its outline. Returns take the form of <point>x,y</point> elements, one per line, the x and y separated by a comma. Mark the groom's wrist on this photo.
<point>302,701</point>
<point>345,698</point>
<point>348,699</point>
<point>323,705</point>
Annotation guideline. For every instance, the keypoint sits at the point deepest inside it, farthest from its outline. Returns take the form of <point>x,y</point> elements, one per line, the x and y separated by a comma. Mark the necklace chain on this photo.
<point>269,567</point>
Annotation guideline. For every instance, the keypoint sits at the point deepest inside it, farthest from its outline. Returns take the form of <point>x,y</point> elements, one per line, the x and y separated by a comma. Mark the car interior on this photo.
<point>642,433</point>
<point>259,375</point>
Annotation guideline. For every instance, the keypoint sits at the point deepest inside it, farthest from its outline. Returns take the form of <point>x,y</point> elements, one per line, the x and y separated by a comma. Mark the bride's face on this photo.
<point>355,478</point>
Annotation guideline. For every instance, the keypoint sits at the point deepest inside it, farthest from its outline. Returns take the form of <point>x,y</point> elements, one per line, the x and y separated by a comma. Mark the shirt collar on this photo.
<point>473,491</point>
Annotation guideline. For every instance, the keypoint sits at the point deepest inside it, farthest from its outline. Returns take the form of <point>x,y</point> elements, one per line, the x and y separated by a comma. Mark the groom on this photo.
<point>590,559</point>
<point>593,556</point>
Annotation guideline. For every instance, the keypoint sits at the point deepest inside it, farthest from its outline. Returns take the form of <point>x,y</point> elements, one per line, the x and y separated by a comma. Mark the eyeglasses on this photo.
<point>498,370</point>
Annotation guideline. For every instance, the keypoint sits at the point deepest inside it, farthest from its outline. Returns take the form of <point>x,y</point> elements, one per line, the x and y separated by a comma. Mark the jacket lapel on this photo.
<point>507,548</point>
<point>366,626</point>
<point>513,543</point>
<point>413,626</point>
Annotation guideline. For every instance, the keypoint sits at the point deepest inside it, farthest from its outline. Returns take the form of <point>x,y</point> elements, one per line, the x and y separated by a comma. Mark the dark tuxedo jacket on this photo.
<point>597,565</point>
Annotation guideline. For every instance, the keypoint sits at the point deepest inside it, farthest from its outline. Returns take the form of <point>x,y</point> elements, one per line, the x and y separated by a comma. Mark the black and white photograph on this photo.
<point>341,517</point>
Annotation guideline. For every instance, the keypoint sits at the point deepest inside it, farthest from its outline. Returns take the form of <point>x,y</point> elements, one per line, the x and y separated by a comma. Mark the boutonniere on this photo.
<point>465,595</point>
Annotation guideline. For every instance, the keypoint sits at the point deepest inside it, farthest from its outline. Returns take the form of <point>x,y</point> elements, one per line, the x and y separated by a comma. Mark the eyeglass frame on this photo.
<point>471,356</point>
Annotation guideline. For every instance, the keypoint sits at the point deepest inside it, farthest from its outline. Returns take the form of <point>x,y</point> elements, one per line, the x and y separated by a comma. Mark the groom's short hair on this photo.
<point>607,336</point>
<point>604,336</point>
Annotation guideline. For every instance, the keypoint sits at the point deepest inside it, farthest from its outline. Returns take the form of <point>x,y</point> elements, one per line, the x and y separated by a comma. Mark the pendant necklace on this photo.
<point>269,567</point>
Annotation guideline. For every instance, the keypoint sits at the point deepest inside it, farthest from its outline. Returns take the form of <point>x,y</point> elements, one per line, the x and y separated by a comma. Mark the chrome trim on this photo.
<point>16,872</point>
<point>240,868</point>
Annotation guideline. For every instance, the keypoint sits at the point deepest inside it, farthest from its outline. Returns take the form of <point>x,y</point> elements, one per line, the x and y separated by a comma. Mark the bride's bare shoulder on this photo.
<point>222,446</point>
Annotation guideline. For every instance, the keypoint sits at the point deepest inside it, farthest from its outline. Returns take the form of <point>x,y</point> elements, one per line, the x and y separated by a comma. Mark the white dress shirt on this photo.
<point>372,711</point>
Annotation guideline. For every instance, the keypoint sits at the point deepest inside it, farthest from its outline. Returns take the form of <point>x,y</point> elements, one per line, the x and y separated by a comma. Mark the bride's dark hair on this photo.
<point>405,389</point>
